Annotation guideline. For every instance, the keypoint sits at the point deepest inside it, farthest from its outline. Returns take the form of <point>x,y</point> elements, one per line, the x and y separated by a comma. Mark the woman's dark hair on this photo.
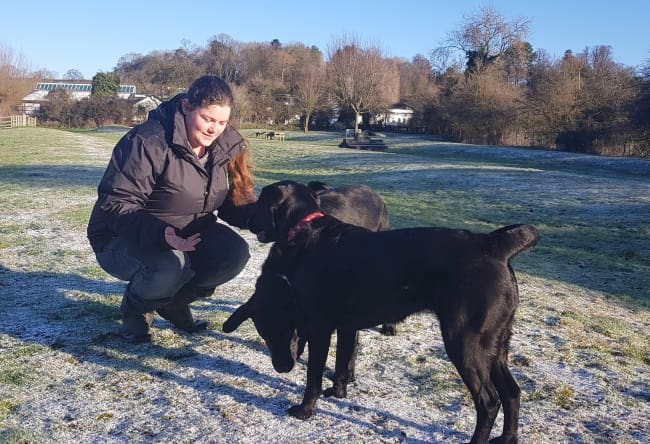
<point>209,90</point>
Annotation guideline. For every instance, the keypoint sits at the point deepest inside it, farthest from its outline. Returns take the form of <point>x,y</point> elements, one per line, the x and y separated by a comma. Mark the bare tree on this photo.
<point>309,85</point>
<point>484,108</point>
<point>243,109</point>
<point>16,79</point>
<point>483,38</point>
<point>641,108</point>
<point>222,59</point>
<point>174,71</point>
<point>309,91</point>
<point>73,74</point>
<point>417,89</point>
<point>361,78</point>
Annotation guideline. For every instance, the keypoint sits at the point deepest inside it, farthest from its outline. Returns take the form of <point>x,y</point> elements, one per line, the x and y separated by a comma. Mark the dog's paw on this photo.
<point>298,411</point>
<point>337,392</point>
<point>503,440</point>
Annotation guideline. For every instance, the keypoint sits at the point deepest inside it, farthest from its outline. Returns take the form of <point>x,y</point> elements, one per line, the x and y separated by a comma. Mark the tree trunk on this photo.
<point>307,117</point>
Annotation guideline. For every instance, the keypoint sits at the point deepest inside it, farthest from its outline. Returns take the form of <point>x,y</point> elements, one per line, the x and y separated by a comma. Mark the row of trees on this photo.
<point>485,84</point>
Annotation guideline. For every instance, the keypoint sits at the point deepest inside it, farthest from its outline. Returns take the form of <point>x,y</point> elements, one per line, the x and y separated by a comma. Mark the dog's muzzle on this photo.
<point>283,360</point>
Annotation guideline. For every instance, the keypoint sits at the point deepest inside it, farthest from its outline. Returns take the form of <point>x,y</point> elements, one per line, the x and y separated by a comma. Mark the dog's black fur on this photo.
<point>334,275</point>
<point>355,204</point>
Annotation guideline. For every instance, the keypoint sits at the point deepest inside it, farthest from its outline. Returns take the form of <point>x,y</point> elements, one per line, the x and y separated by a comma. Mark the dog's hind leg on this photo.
<point>473,362</point>
<point>508,390</point>
<point>510,393</point>
<point>346,355</point>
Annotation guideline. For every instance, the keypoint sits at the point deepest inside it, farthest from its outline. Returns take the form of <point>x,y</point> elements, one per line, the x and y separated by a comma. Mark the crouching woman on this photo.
<point>154,223</point>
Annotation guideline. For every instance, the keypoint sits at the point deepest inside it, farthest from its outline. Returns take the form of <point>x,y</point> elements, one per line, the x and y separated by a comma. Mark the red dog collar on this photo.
<point>303,223</point>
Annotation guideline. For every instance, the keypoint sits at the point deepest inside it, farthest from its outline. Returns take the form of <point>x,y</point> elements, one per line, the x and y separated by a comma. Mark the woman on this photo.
<point>154,223</point>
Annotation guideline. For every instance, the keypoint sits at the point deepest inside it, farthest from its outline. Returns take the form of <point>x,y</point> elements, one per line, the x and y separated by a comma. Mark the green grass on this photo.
<point>585,287</point>
<point>595,223</point>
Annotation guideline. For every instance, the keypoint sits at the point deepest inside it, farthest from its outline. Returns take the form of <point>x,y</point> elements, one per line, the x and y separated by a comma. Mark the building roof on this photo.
<point>80,87</point>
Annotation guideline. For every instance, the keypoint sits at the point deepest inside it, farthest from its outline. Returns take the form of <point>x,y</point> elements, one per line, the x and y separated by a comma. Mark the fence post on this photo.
<point>16,121</point>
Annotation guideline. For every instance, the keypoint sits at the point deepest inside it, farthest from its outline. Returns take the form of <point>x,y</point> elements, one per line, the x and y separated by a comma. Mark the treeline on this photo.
<point>584,102</point>
<point>485,85</point>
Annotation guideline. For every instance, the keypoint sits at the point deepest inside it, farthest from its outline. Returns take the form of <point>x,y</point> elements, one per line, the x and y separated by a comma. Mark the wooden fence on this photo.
<point>16,121</point>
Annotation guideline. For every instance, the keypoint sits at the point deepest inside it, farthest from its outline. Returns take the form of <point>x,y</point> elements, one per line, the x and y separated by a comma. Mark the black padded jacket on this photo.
<point>154,180</point>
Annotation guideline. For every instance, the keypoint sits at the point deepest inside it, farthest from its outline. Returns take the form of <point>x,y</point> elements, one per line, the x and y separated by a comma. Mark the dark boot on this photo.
<point>137,316</point>
<point>178,310</point>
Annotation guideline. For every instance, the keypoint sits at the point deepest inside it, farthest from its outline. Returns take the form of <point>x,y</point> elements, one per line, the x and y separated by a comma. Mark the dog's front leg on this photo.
<point>318,349</point>
<point>346,355</point>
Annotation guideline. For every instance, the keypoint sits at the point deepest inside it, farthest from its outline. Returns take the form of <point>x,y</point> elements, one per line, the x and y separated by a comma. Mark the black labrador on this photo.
<point>354,204</point>
<point>329,275</point>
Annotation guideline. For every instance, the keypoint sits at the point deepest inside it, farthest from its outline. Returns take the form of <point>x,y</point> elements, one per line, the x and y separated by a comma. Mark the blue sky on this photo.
<point>87,36</point>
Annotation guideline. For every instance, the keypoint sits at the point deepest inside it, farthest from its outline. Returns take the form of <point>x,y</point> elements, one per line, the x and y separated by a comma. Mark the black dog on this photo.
<point>357,205</point>
<point>339,276</point>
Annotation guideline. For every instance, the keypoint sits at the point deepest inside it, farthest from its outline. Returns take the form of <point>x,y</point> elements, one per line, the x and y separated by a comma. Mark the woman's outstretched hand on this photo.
<point>181,243</point>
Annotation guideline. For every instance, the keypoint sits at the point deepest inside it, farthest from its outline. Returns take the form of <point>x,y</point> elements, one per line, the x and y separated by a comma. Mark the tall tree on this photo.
<point>243,109</point>
<point>483,37</point>
<point>16,79</point>
<point>608,90</point>
<point>483,107</point>
<point>309,88</point>
<point>361,78</point>
<point>641,111</point>
<point>105,84</point>
<point>222,59</point>
<point>73,74</point>
<point>418,89</point>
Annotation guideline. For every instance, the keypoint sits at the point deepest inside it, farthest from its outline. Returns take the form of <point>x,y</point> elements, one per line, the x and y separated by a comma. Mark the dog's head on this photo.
<point>280,207</point>
<point>273,311</point>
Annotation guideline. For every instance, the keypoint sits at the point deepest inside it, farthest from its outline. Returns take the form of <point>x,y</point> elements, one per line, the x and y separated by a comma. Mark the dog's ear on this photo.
<point>314,189</point>
<point>244,312</point>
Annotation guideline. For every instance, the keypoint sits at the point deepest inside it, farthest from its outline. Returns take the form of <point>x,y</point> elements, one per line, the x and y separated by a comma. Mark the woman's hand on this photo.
<point>180,243</point>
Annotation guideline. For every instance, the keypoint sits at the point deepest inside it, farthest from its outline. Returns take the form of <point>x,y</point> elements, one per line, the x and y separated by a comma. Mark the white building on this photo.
<point>397,116</point>
<point>142,104</point>
<point>31,103</point>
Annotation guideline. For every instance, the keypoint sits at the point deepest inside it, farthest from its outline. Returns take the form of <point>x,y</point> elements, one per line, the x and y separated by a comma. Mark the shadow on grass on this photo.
<point>66,312</point>
<point>51,175</point>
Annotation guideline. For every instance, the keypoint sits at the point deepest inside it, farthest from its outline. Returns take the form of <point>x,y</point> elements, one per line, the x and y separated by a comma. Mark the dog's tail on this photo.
<point>511,240</point>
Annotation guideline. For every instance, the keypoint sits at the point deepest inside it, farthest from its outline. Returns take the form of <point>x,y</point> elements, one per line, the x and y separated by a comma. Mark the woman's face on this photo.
<point>204,124</point>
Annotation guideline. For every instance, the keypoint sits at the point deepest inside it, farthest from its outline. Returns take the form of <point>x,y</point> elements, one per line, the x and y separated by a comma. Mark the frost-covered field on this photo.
<point>580,350</point>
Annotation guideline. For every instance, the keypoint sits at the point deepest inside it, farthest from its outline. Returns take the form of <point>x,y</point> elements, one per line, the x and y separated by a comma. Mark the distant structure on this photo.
<point>141,103</point>
<point>398,116</point>
<point>31,103</point>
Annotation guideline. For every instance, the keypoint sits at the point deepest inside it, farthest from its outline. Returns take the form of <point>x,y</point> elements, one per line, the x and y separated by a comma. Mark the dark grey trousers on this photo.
<point>157,278</point>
